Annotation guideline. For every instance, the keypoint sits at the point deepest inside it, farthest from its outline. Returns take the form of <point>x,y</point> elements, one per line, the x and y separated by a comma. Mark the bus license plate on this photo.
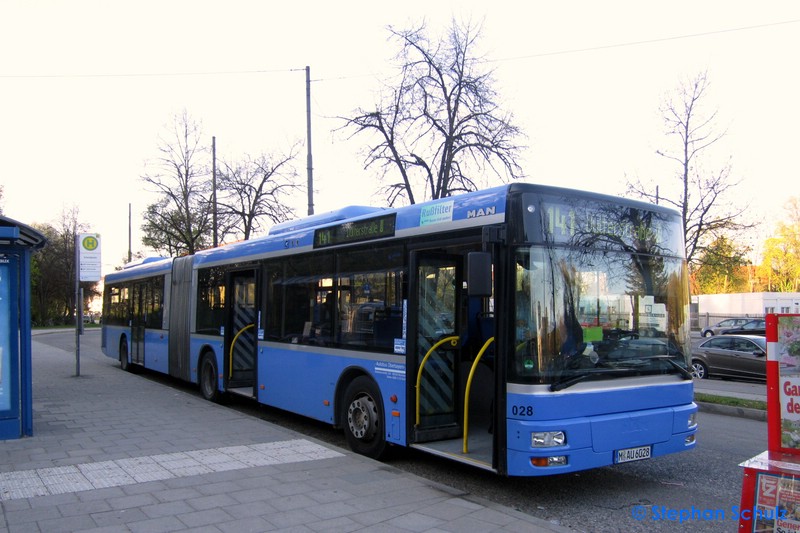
<point>633,454</point>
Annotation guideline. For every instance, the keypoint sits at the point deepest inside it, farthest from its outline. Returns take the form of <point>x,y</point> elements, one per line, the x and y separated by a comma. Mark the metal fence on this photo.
<point>703,320</point>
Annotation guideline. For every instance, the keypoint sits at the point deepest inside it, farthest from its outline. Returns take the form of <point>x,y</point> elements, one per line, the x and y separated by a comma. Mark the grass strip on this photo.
<point>733,402</point>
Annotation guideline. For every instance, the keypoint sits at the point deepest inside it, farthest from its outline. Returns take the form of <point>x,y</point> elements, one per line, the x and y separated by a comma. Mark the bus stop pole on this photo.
<point>78,309</point>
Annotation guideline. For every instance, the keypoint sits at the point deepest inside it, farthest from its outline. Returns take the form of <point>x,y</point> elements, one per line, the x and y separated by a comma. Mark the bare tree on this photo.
<point>439,126</point>
<point>53,272</point>
<point>256,188</point>
<point>179,222</point>
<point>701,196</point>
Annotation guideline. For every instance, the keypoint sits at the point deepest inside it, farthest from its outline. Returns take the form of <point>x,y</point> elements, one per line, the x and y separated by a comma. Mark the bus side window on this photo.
<point>297,313</point>
<point>302,284</point>
<point>155,303</point>
<point>372,280</point>
<point>322,323</point>
<point>388,326</point>
<point>210,301</point>
<point>273,303</point>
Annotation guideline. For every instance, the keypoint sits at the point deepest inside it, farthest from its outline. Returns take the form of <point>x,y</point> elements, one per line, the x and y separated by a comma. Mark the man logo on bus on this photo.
<point>475,213</point>
<point>90,243</point>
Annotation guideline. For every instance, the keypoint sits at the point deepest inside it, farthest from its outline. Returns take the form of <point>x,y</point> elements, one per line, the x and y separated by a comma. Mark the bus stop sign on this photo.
<point>89,257</point>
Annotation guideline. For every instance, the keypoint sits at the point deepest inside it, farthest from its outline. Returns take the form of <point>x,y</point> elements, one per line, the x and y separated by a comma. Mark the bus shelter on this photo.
<point>17,244</point>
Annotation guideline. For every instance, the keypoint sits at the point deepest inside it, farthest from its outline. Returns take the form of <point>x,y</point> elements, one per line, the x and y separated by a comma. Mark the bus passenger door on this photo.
<point>241,333</point>
<point>435,364</point>
<point>138,322</point>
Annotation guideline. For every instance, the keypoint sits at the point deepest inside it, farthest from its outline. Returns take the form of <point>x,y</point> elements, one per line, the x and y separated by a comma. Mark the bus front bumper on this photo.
<point>591,442</point>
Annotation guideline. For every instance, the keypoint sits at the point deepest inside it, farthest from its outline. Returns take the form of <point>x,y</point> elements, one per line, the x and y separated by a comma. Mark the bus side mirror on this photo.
<point>479,274</point>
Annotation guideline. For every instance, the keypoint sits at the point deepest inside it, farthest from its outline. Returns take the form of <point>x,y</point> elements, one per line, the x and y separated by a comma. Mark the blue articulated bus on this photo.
<point>526,330</point>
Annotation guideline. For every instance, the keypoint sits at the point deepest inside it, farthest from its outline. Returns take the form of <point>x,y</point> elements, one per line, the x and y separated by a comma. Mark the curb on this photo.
<point>741,412</point>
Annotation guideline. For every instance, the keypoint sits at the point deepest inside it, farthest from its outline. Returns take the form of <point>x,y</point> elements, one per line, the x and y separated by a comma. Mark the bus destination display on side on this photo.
<point>356,231</point>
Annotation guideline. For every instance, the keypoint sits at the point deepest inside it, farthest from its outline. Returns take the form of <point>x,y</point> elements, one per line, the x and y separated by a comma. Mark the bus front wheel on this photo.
<point>362,417</point>
<point>208,378</point>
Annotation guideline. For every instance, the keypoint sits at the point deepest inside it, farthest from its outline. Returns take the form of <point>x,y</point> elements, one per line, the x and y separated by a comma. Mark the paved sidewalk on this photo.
<point>113,452</point>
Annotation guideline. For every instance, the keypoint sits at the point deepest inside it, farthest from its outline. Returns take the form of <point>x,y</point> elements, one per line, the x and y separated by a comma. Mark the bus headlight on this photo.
<point>548,439</point>
<point>692,420</point>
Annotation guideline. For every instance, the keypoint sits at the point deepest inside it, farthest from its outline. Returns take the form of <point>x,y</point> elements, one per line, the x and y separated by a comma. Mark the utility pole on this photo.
<point>310,166</point>
<point>130,240</point>
<point>214,187</point>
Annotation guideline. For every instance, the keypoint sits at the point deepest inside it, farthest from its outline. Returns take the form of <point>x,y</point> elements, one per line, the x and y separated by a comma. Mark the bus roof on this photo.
<point>140,269</point>
<point>323,219</point>
<point>446,214</point>
<point>466,210</point>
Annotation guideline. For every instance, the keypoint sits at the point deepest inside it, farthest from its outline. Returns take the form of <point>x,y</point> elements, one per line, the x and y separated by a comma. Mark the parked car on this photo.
<point>753,327</point>
<point>740,356</point>
<point>728,323</point>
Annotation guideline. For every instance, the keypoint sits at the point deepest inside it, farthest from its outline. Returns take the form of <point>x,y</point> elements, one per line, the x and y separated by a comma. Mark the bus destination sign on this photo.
<point>360,230</point>
<point>610,226</point>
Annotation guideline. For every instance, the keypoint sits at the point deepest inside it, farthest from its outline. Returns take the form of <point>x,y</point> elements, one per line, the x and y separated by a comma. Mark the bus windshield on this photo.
<point>584,314</point>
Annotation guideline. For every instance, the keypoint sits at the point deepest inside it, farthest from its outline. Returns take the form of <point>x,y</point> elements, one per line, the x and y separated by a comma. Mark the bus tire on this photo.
<point>363,419</point>
<point>207,378</point>
<point>123,354</point>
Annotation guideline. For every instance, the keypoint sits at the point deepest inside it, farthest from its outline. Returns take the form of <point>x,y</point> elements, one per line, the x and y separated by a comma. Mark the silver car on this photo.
<point>728,323</point>
<point>740,356</point>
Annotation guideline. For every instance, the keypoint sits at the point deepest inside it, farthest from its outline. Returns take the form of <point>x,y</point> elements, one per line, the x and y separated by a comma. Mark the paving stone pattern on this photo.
<point>114,451</point>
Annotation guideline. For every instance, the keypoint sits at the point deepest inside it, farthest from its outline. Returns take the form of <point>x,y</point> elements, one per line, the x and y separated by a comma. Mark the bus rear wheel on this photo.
<point>362,419</point>
<point>123,354</point>
<point>207,378</point>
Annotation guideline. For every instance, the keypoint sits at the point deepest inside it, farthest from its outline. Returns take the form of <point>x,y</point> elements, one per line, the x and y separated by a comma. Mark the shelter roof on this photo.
<point>14,233</point>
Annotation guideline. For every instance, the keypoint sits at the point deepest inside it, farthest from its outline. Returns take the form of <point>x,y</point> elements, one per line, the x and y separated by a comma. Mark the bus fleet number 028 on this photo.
<point>522,410</point>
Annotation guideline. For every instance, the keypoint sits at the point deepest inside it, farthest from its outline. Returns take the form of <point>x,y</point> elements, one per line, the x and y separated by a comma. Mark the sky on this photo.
<point>87,89</point>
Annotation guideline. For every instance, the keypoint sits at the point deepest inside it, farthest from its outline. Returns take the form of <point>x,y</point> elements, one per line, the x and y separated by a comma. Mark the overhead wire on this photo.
<point>643,42</point>
<point>354,76</point>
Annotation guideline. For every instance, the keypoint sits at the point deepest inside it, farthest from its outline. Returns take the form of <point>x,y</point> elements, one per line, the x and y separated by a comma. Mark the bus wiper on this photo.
<point>671,360</point>
<point>577,378</point>
<point>569,382</point>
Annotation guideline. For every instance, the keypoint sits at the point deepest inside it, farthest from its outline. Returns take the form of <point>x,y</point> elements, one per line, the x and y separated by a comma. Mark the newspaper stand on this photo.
<point>771,483</point>
<point>17,243</point>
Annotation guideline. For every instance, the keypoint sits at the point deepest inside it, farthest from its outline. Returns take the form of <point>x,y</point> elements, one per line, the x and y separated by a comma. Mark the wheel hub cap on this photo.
<point>360,417</point>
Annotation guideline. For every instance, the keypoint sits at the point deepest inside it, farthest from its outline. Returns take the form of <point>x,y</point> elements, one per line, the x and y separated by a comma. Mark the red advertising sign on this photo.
<point>783,383</point>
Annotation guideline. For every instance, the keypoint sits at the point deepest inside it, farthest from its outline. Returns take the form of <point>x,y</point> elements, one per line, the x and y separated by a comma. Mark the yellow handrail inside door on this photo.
<point>453,342</point>
<point>233,343</point>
